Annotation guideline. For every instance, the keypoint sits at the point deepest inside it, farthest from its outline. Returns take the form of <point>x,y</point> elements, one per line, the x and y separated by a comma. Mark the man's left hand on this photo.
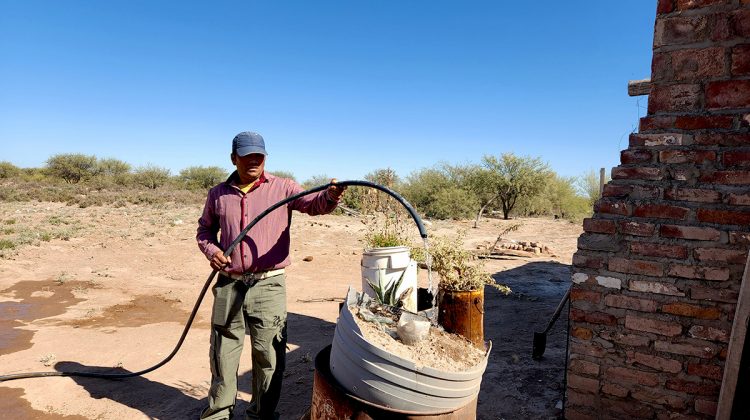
<point>335,191</point>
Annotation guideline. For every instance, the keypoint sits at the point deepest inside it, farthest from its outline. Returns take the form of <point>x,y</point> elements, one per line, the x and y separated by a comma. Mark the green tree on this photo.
<point>151,176</point>
<point>316,181</point>
<point>283,174</point>
<point>588,185</point>
<point>112,167</point>
<point>515,177</point>
<point>202,177</point>
<point>72,167</point>
<point>8,170</point>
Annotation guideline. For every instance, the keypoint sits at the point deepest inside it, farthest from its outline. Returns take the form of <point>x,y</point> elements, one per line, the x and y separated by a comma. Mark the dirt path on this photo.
<point>117,292</point>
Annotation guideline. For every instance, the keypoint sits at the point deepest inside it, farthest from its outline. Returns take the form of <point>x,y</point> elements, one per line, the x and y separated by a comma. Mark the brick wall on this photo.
<point>658,269</point>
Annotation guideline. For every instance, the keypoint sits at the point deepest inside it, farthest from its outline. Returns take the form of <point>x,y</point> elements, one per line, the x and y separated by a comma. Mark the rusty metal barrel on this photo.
<point>462,313</point>
<point>330,401</point>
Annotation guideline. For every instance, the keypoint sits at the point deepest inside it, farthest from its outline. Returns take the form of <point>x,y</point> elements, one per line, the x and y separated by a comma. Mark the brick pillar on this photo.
<point>658,269</point>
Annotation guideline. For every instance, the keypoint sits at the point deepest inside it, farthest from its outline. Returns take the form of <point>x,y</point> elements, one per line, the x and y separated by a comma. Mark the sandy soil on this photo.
<point>116,294</point>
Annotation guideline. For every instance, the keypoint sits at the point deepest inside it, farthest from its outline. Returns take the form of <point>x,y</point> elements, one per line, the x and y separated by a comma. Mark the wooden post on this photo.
<point>602,175</point>
<point>734,353</point>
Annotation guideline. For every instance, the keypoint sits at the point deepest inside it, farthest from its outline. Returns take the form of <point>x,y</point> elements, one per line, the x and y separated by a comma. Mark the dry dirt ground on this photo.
<point>115,291</point>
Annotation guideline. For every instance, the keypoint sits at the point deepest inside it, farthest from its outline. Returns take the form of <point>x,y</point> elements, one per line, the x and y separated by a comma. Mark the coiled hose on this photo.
<point>228,251</point>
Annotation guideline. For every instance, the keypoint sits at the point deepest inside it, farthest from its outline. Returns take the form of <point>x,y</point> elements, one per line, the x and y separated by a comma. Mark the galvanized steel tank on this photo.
<point>385,379</point>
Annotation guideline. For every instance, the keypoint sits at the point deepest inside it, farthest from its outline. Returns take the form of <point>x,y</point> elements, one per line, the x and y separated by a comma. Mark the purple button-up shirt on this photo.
<point>266,245</point>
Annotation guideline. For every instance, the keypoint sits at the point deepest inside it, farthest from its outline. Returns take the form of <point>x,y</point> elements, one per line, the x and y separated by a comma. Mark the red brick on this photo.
<point>652,249</point>
<point>694,4</point>
<point>732,256</point>
<point>738,199</point>
<point>579,399</point>
<point>592,317</point>
<point>617,190</point>
<point>691,311</point>
<point>664,6</point>
<point>584,367</point>
<point>713,294</point>
<point>699,388</point>
<point>582,333</point>
<point>632,340</point>
<point>705,371</point>
<point>627,302</point>
<point>587,349</point>
<point>726,177</point>
<point>700,273</point>
<point>636,228</point>
<point>630,156</point>
<point>655,362</point>
<point>685,156</point>
<point>661,211</point>
<point>652,395</point>
<point>599,226</point>
<point>669,329</point>
<point>724,217</point>
<point>587,261</point>
<point>632,376</point>
<point>681,30</point>
<point>702,122</point>
<point>612,207</point>
<point>586,295</point>
<point>739,23</point>
<point>739,238</point>
<point>583,383</point>
<point>658,122</point>
<point>690,232</point>
<point>706,407</point>
<point>618,409</point>
<point>736,158</point>
<point>675,98</point>
<point>702,332</point>
<point>628,266</point>
<point>613,389</point>
<point>693,194</point>
<point>655,287</point>
<point>573,414</point>
<point>598,242</point>
<point>704,351</point>
<point>698,64</point>
<point>722,139</point>
<point>728,94</point>
<point>741,60</point>
<point>650,174</point>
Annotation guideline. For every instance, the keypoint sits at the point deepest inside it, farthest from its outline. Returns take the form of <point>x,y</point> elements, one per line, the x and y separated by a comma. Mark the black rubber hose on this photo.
<point>228,251</point>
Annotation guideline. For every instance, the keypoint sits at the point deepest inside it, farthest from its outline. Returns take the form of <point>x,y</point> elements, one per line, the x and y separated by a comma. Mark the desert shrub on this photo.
<point>558,198</point>
<point>315,181</point>
<point>283,174</point>
<point>72,167</point>
<point>111,167</point>
<point>151,176</point>
<point>458,268</point>
<point>8,170</point>
<point>440,192</point>
<point>7,244</point>
<point>202,177</point>
<point>452,203</point>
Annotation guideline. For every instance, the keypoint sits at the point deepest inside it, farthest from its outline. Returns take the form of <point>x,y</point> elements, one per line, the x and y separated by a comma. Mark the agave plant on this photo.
<point>386,295</point>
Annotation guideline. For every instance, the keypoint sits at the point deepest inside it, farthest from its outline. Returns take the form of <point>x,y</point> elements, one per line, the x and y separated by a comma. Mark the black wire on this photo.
<point>228,251</point>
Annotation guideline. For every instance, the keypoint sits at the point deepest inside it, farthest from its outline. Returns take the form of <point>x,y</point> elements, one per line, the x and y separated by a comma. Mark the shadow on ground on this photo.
<point>514,386</point>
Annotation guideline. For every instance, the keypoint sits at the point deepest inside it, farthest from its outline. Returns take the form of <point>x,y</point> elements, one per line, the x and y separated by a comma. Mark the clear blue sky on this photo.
<point>335,87</point>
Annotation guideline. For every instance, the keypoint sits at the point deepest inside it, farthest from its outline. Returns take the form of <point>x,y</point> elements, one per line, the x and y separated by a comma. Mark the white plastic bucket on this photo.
<point>385,266</point>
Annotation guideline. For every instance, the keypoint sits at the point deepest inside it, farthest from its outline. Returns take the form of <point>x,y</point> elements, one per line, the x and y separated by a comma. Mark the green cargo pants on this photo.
<point>260,309</point>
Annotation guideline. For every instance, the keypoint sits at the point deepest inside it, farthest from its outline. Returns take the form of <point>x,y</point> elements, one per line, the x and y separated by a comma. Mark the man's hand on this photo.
<point>335,191</point>
<point>219,261</point>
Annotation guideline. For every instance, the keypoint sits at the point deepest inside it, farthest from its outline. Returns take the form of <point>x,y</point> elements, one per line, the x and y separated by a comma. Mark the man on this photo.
<point>250,291</point>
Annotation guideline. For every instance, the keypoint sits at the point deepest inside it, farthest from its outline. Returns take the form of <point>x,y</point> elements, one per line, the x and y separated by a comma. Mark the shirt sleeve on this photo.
<point>312,204</point>
<point>208,228</point>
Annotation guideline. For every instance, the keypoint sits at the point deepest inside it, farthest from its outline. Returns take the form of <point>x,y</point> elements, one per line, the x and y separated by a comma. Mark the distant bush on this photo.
<point>72,167</point>
<point>452,203</point>
<point>151,176</point>
<point>8,170</point>
<point>201,177</point>
<point>283,174</point>
<point>315,181</point>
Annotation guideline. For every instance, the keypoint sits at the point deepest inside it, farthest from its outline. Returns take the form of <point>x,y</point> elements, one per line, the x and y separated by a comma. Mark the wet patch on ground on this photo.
<point>142,310</point>
<point>38,299</point>
<point>14,406</point>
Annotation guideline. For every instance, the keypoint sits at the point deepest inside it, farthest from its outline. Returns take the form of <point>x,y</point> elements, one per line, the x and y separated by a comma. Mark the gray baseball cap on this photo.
<point>248,142</point>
